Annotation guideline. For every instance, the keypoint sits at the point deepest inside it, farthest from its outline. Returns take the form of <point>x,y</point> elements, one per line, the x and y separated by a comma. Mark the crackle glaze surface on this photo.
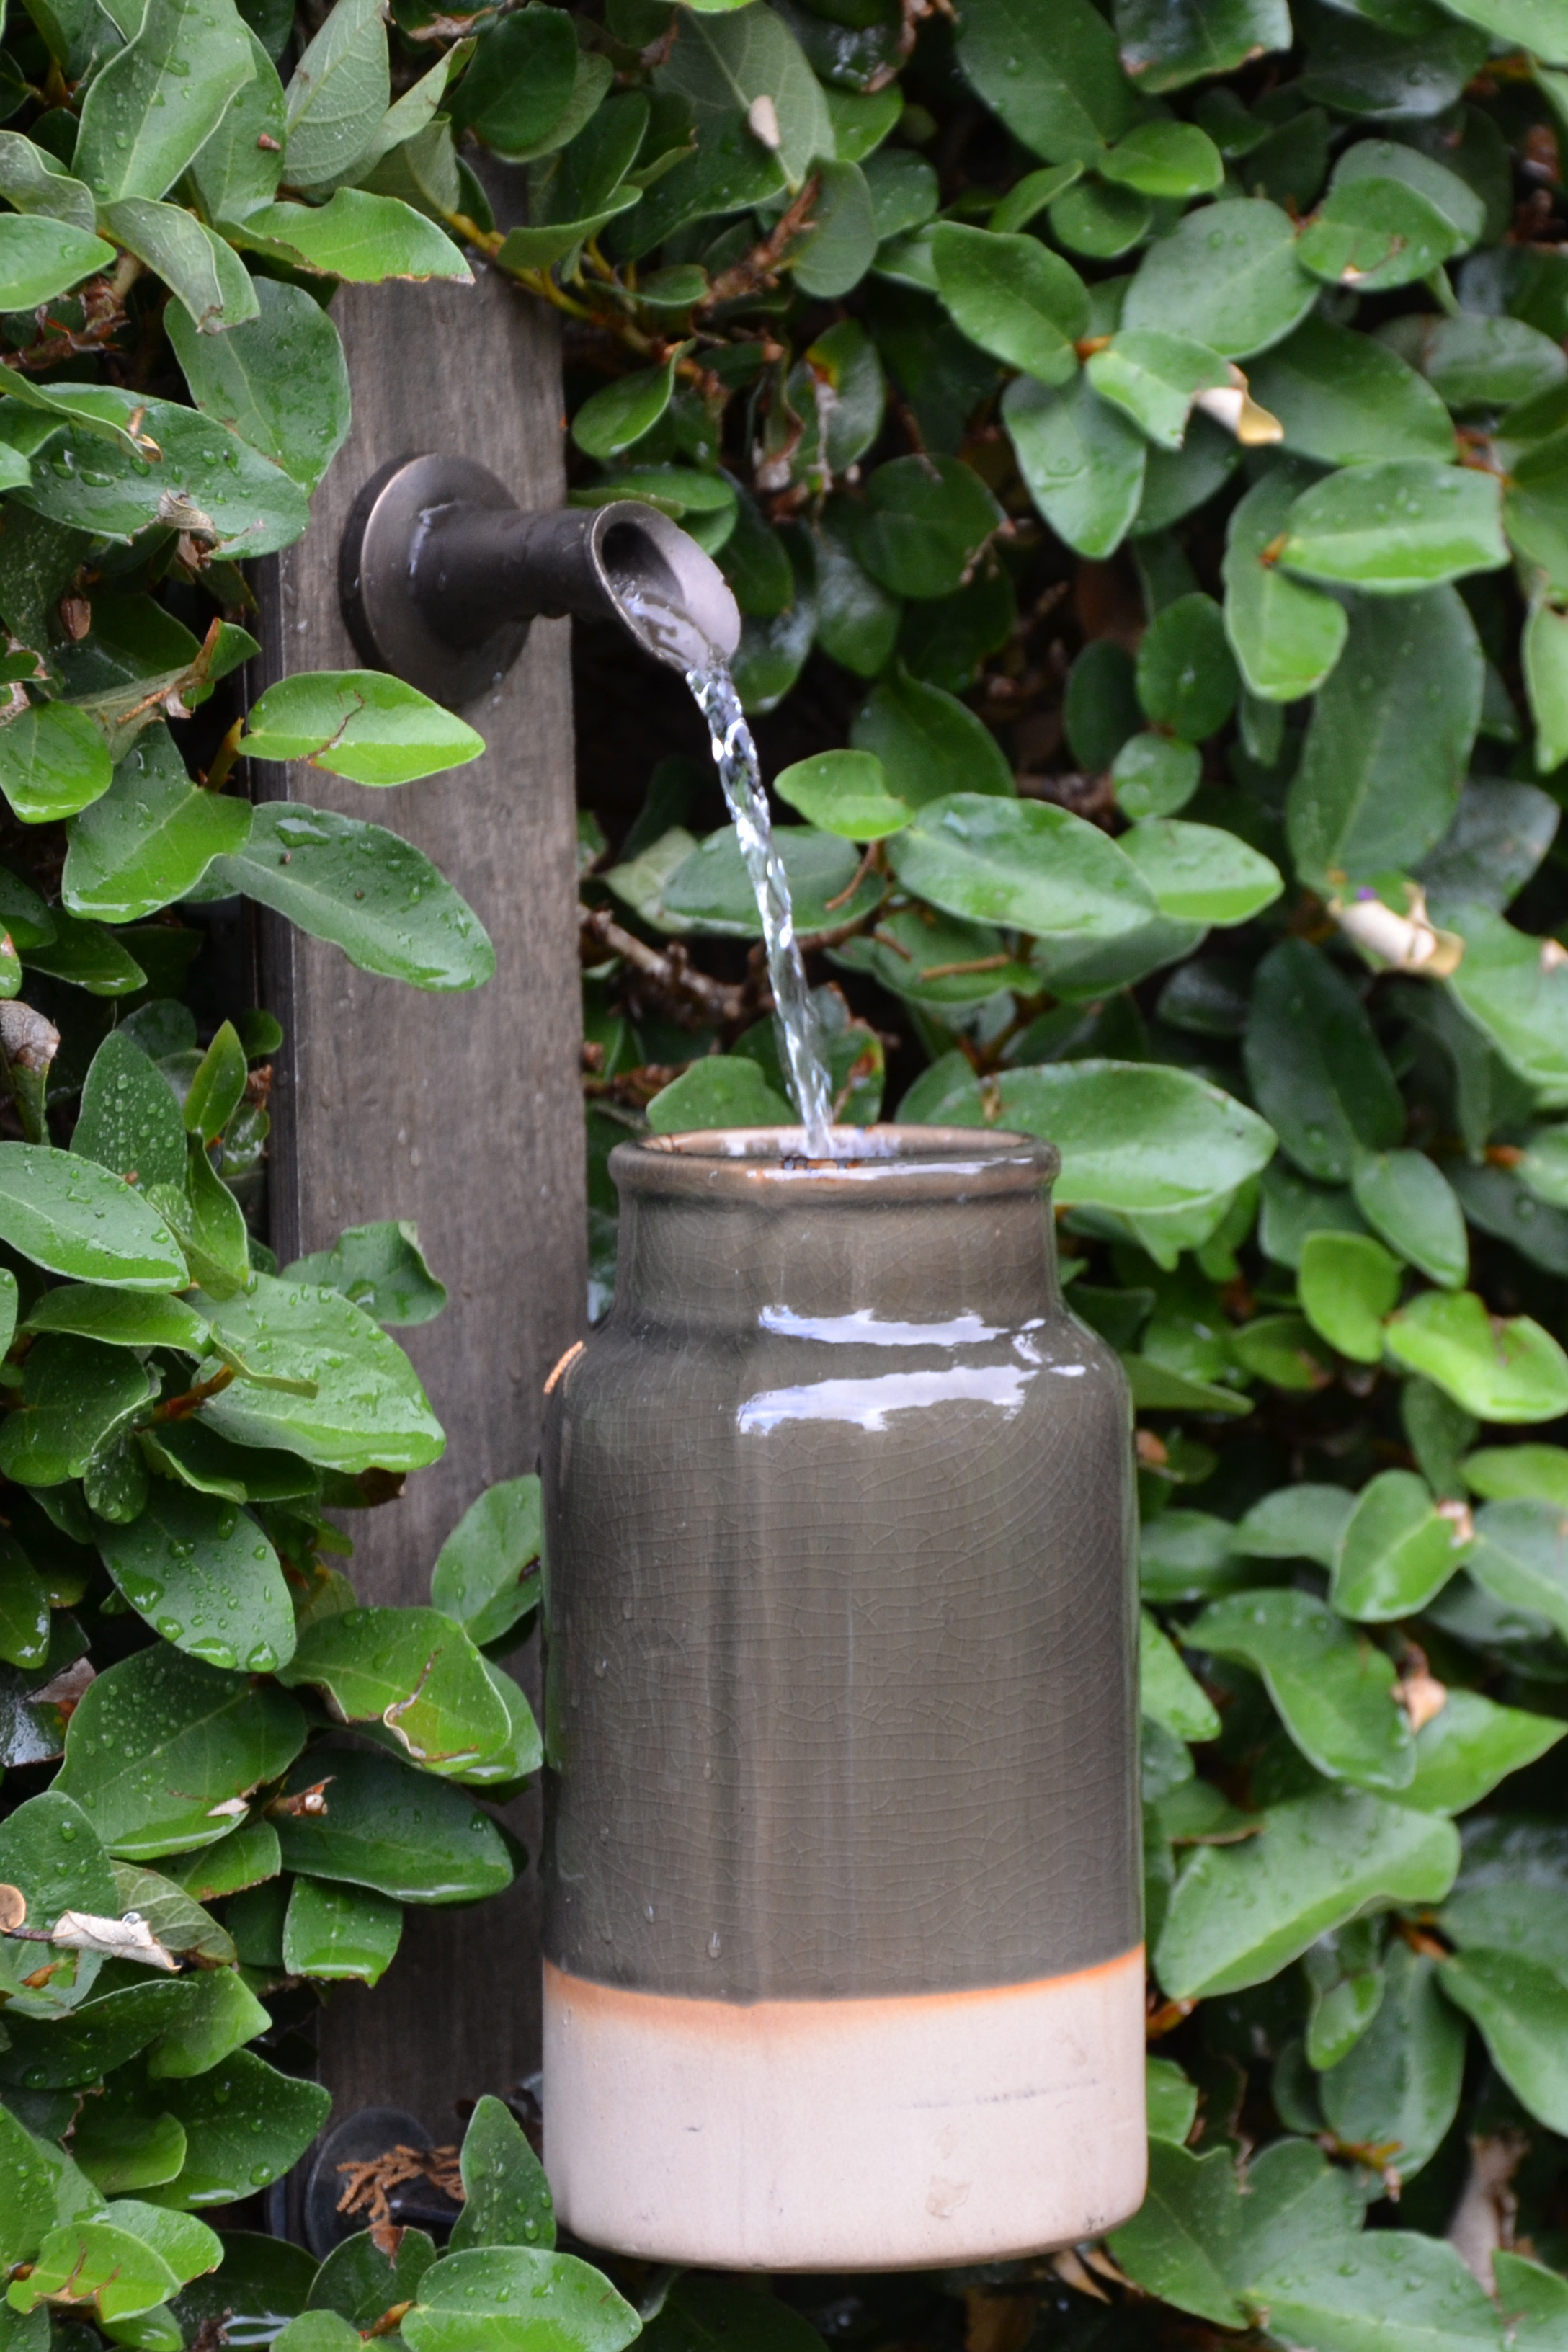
<point>841,1687</point>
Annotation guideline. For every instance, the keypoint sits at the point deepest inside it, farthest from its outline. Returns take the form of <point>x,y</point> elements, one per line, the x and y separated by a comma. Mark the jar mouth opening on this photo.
<point>883,1159</point>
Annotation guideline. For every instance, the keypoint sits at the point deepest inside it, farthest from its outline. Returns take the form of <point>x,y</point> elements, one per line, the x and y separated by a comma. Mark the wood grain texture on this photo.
<point>460,1112</point>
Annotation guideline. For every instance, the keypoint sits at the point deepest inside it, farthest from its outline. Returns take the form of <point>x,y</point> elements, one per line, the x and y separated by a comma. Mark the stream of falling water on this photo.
<point>739,773</point>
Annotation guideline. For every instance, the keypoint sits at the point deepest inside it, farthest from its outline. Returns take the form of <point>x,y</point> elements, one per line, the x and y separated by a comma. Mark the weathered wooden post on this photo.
<point>461,1113</point>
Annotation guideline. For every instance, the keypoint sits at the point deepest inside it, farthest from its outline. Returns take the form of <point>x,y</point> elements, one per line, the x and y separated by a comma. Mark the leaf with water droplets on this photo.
<point>204,1576</point>
<point>219,2014</point>
<point>92,2262</point>
<point>134,142</point>
<point>1333,1689</point>
<point>1393,2290</point>
<point>1180,2244</point>
<point>506,2197</point>
<point>358,2280</point>
<point>27,2192</point>
<point>363,888</point>
<point>361,724</point>
<point>76,1396</point>
<point>1240,1914</point>
<point>400,1830</point>
<point>50,1851</point>
<point>150,838</point>
<point>412,1669</point>
<point>338,1933</point>
<point>379,1267</point>
<point>205,480</point>
<point>368,1409</point>
<point>482,1574</point>
<point>502,2298</point>
<point>74,1218</point>
<point>245,2124</point>
<point>120,1319</point>
<point>129,1120</point>
<point>1026,863</point>
<point>161,1743</point>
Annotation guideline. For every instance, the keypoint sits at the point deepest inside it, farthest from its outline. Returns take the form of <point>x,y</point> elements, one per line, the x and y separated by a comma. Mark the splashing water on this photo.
<point>666,626</point>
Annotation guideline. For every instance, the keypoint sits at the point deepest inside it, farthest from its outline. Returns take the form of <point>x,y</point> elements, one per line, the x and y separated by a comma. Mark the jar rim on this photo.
<point>884,1161</point>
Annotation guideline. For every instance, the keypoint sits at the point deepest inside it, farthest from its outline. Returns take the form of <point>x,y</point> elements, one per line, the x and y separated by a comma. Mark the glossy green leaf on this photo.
<point>412,1669</point>
<point>923,524</point>
<point>1022,862</point>
<point>1399,2087</point>
<point>1390,2288</point>
<point>1348,1284</point>
<point>1082,461</point>
<point>1166,43</point>
<point>335,1933</point>
<point>150,838</point>
<point>205,479</point>
<point>1522,2009</point>
<point>1285,637</point>
<point>469,2302</point>
<point>280,382</point>
<point>1346,399</point>
<point>844,793</point>
<point>1406,1199</point>
<point>1227,277</point>
<point>507,2201</point>
<point>53,761</point>
<point>400,1831</point>
<point>1333,1689</point>
<point>245,2124</point>
<point>205,1578</point>
<point>1469,1745</point>
<point>380,1269</point>
<point>712,890</point>
<point>366,1407</point>
<point>1514,989</point>
<point>1180,2244</point>
<point>1049,70</point>
<point>76,1397</point>
<point>1165,159</point>
<point>1014,297</point>
<point>1239,1914</point>
<point>1167,1692</point>
<point>1134,1138</point>
<point>132,143</point>
<point>363,889</point>
<point>358,236</point>
<point>40,258</point>
<point>1318,1072</point>
<point>1305,1522</point>
<point>1396,1552</point>
<point>1499,1473</point>
<point>1396,526</point>
<point>929,744</point>
<point>1200,873</point>
<point>358,723</point>
<point>1520,1557</point>
<point>484,1572</point>
<point>1156,775</point>
<point>92,2262</point>
<point>724,1090</point>
<point>1508,1370</point>
<point>725,62</point>
<point>338,119</point>
<point>160,1747</point>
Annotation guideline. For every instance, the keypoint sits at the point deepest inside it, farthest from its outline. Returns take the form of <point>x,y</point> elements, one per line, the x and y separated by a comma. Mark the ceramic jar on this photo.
<point>843,1934</point>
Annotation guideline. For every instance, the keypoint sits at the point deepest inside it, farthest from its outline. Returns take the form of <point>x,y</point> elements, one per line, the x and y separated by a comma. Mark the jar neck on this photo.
<point>949,1270</point>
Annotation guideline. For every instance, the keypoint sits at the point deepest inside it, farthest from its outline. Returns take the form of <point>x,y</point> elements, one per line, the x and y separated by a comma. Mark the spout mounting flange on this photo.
<point>378,579</point>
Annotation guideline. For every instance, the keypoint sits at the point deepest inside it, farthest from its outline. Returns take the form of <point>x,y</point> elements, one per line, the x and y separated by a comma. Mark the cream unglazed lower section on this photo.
<point>847,2135</point>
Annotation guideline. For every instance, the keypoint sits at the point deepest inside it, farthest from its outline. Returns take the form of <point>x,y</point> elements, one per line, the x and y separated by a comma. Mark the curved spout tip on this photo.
<point>662,586</point>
